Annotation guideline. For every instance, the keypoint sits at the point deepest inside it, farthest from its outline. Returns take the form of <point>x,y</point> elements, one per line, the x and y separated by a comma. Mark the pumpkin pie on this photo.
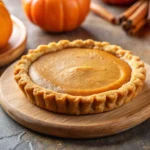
<point>80,77</point>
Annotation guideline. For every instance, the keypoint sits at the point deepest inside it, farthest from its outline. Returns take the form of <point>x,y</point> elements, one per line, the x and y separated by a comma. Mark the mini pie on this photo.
<point>80,77</point>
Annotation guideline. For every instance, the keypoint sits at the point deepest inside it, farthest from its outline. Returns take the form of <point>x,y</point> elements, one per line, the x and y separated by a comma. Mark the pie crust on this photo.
<point>72,104</point>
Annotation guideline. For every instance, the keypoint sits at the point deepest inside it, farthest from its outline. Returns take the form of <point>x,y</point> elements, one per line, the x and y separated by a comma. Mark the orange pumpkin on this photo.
<point>5,25</point>
<point>57,15</point>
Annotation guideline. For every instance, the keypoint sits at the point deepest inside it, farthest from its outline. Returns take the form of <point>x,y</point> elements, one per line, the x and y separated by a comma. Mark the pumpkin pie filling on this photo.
<point>80,71</point>
<point>80,77</point>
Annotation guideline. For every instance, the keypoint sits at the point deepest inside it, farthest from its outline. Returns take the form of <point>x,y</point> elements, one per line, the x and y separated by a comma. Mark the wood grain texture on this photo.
<point>20,109</point>
<point>16,44</point>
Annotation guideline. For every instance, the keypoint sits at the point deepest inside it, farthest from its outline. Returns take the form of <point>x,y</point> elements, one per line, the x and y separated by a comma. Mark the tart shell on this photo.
<point>78,105</point>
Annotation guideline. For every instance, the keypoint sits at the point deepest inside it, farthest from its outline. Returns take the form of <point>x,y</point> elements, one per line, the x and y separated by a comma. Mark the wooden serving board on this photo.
<point>88,126</point>
<point>16,44</point>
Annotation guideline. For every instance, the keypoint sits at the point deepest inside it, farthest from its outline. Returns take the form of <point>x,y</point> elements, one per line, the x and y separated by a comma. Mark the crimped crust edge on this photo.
<point>69,104</point>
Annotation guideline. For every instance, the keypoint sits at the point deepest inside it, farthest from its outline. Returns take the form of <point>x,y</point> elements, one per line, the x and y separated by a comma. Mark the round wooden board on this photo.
<point>16,44</point>
<point>88,126</point>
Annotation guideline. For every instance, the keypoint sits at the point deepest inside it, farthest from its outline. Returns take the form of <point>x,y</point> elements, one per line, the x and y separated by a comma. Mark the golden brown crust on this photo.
<point>69,104</point>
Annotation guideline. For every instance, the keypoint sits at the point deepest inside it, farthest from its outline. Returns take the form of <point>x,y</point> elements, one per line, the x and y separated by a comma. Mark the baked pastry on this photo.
<point>80,77</point>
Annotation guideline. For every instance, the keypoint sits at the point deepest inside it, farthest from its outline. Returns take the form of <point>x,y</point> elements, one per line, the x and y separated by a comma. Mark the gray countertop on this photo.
<point>14,136</point>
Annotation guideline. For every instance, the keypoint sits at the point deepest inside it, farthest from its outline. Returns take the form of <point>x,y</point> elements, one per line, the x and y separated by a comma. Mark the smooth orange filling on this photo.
<point>79,71</point>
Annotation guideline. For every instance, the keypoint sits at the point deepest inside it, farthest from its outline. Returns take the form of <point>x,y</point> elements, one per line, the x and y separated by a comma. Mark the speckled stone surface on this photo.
<point>15,137</point>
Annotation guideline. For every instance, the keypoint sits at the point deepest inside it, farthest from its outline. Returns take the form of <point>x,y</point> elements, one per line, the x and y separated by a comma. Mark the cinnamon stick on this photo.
<point>126,26</point>
<point>148,15</point>
<point>102,12</point>
<point>129,11</point>
<point>139,14</point>
<point>137,27</point>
